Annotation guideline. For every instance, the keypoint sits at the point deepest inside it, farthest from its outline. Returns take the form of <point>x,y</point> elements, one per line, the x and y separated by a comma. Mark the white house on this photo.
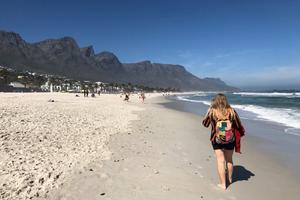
<point>17,85</point>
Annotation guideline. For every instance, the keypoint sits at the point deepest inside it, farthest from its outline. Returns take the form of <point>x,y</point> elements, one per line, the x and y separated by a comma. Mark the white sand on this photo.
<point>42,143</point>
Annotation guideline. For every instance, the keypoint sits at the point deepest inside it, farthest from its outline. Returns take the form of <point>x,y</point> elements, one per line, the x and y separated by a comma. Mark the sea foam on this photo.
<point>186,98</point>
<point>284,116</point>
<point>272,94</point>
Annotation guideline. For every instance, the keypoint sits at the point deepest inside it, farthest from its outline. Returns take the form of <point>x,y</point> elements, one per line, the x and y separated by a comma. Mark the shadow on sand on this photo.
<point>240,173</point>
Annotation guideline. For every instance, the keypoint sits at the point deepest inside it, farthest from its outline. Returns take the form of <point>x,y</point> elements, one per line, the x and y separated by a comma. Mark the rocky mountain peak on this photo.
<point>106,54</point>
<point>11,38</point>
<point>107,57</point>
<point>88,51</point>
<point>65,43</point>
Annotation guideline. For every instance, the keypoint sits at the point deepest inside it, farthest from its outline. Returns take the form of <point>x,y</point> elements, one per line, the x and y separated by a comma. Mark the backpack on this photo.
<point>224,131</point>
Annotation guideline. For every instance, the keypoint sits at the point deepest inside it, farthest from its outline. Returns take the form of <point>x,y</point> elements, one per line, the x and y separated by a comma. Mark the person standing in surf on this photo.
<point>226,131</point>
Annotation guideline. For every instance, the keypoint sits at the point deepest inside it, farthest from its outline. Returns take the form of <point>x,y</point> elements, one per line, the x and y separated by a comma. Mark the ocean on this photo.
<point>274,107</point>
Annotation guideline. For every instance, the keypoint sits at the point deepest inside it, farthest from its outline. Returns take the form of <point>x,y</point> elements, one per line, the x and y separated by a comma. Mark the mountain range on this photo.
<point>64,57</point>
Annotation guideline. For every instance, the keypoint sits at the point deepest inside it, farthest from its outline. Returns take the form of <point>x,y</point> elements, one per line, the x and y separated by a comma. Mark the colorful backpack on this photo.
<point>224,132</point>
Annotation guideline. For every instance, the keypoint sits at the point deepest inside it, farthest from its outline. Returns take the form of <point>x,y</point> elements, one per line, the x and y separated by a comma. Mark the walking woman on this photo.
<point>226,131</point>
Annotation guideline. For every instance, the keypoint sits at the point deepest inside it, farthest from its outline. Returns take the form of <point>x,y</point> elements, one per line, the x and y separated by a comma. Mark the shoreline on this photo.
<point>259,113</point>
<point>270,136</point>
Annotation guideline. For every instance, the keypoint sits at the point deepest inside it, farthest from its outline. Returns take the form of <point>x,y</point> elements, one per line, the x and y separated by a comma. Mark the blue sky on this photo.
<point>247,43</point>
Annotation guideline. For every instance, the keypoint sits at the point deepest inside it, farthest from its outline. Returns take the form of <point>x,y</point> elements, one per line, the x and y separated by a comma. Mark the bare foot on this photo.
<point>222,186</point>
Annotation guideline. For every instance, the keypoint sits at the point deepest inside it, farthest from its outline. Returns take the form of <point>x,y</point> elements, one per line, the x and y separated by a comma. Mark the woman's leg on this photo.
<point>229,162</point>
<point>221,167</point>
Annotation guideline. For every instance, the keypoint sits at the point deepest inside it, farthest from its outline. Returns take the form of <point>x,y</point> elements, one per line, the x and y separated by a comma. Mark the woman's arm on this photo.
<point>207,119</point>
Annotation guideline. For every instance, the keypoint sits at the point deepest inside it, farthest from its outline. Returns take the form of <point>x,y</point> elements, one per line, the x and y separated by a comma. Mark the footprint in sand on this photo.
<point>187,162</point>
<point>199,174</point>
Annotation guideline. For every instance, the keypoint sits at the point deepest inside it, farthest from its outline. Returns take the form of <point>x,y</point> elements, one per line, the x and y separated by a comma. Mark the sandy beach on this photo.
<point>43,142</point>
<point>105,148</point>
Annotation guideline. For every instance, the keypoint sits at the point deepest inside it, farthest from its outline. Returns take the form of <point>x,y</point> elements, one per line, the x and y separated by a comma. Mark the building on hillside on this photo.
<point>46,87</point>
<point>17,85</point>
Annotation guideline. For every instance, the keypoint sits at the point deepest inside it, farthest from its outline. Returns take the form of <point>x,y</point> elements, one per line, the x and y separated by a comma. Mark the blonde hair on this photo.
<point>220,107</point>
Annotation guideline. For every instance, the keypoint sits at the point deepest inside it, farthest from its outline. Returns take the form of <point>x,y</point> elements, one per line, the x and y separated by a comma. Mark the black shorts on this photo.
<point>229,146</point>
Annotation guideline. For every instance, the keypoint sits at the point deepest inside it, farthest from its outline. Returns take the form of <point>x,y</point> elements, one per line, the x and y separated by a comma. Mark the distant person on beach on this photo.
<point>85,92</point>
<point>226,131</point>
<point>143,97</point>
<point>126,97</point>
